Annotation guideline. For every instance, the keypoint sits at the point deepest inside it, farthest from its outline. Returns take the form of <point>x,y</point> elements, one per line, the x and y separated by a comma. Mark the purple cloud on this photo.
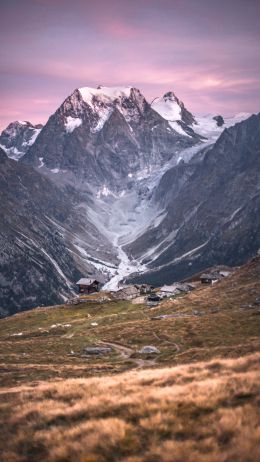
<point>206,51</point>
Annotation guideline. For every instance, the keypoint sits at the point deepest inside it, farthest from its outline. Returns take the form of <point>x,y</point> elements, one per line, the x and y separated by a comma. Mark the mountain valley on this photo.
<point>120,189</point>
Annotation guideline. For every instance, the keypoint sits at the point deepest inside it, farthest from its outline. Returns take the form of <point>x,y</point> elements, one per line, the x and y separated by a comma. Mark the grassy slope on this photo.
<point>200,409</point>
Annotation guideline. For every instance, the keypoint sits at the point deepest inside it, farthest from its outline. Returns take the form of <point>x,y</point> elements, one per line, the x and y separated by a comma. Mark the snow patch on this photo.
<point>33,137</point>
<point>167,107</point>
<point>13,153</point>
<point>104,192</point>
<point>106,93</point>
<point>207,126</point>
<point>178,128</point>
<point>72,123</point>
<point>41,162</point>
<point>104,114</point>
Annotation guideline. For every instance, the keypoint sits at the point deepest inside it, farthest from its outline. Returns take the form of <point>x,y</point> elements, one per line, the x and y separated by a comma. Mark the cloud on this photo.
<point>202,50</point>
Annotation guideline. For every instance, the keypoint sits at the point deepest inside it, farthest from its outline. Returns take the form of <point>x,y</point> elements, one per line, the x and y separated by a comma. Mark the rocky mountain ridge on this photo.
<point>101,136</point>
<point>16,139</point>
<point>46,242</point>
<point>135,192</point>
<point>215,216</point>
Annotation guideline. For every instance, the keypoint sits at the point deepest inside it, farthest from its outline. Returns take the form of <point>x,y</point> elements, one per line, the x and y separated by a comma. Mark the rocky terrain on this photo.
<point>39,233</point>
<point>115,187</point>
<point>98,137</point>
<point>212,209</point>
<point>18,137</point>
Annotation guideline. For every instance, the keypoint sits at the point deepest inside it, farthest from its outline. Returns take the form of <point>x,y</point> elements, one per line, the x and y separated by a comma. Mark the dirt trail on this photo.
<point>126,352</point>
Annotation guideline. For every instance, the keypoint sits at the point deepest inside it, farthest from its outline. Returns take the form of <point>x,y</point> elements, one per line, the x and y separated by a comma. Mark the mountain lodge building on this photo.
<point>88,285</point>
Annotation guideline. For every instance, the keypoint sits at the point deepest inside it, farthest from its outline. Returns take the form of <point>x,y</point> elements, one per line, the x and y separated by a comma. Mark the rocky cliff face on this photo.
<point>16,139</point>
<point>212,209</point>
<point>113,185</point>
<point>100,136</point>
<point>41,230</point>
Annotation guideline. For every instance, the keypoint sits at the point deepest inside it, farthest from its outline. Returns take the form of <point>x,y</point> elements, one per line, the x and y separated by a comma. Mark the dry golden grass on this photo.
<point>57,405</point>
<point>44,353</point>
<point>208,411</point>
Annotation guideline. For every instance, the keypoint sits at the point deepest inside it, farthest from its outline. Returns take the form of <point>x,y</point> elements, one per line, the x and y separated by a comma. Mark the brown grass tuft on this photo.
<point>206,411</point>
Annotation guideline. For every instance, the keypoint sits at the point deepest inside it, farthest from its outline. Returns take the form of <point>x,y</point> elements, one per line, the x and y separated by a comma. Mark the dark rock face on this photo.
<point>219,119</point>
<point>100,139</point>
<point>38,226</point>
<point>18,137</point>
<point>213,209</point>
<point>95,168</point>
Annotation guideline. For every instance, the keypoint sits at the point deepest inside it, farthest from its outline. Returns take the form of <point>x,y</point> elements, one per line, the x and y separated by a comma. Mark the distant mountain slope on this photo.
<point>212,209</point>
<point>16,139</point>
<point>113,185</point>
<point>40,236</point>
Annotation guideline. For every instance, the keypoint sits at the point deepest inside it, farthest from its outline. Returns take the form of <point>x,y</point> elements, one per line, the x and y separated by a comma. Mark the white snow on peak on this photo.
<point>103,101</point>
<point>240,116</point>
<point>167,107</point>
<point>16,147</point>
<point>104,93</point>
<point>207,126</point>
<point>72,123</point>
<point>178,128</point>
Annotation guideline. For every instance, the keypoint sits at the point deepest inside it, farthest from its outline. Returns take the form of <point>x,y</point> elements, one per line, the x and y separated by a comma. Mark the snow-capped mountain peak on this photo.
<point>96,105</point>
<point>103,100</point>
<point>16,139</point>
<point>168,107</point>
<point>173,110</point>
<point>107,94</point>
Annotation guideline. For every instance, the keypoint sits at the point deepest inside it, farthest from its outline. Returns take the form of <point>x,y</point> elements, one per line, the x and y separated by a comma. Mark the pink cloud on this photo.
<point>207,52</point>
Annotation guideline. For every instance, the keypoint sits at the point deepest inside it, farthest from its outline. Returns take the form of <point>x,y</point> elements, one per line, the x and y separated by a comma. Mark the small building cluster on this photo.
<point>175,289</point>
<point>131,291</point>
<point>212,278</point>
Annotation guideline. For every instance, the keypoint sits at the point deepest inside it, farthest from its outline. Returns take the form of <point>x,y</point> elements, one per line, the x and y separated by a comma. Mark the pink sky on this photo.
<point>206,51</point>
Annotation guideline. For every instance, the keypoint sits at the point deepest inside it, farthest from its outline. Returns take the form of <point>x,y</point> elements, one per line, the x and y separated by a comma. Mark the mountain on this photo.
<point>114,187</point>
<point>46,240</point>
<point>207,126</point>
<point>210,208</point>
<point>174,111</point>
<point>98,137</point>
<point>16,139</point>
<point>211,126</point>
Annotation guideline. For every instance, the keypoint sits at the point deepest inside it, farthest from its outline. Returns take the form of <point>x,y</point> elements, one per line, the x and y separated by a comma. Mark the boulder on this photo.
<point>149,349</point>
<point>96,350</point>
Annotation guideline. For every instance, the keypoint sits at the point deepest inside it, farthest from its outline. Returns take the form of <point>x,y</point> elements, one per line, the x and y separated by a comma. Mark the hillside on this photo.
<point>211,210</point>
<point>117,188</point>
<point>209,406</point>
